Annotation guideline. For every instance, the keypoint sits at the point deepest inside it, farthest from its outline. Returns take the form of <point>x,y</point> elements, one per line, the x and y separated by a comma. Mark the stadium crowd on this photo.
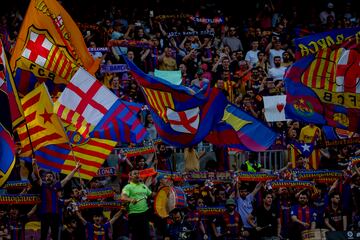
<point>246,57</point>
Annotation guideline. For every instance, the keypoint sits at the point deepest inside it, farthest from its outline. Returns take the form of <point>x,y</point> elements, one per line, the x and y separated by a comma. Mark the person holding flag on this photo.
<point>49,207</point>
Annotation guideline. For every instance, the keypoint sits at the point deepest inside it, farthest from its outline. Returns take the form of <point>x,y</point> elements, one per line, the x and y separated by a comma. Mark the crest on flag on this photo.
<point>185,121</point>
<point>324,88</point>
<point>50,46</point>
<point>42,56</point>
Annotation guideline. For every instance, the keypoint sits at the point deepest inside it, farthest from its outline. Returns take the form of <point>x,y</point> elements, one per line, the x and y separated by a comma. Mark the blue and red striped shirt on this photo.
<point>304,214</point>
<point>49,198</point>
<point>97,232</point>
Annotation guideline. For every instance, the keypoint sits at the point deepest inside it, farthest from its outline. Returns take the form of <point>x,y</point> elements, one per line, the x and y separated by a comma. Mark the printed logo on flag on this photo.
<point>42,56</point>
<point>185,121</point>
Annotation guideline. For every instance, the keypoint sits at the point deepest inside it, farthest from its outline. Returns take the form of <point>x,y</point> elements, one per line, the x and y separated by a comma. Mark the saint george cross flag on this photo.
<point>99,107</point>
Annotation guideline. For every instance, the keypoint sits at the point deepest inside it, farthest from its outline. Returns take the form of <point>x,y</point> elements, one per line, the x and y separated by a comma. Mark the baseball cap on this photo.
<point>330,5</point>
<point>230,201</point>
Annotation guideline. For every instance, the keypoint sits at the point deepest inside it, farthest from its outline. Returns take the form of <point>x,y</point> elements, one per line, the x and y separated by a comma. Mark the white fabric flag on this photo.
<point>87,96</point>
<point>275,108</point>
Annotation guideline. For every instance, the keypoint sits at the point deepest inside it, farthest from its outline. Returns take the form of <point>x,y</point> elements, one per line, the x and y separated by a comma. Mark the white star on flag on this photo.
<point>305,147</point>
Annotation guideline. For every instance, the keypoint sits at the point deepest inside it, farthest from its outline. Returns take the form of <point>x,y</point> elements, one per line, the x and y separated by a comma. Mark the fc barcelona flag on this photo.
<point>311,44</point>
<point>62,158</point>
<point>324,88</point>
<point>182,116</point>
<point>50,47</point>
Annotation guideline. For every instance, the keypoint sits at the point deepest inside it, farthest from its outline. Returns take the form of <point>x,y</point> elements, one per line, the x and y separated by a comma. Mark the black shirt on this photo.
<point>266,219</point>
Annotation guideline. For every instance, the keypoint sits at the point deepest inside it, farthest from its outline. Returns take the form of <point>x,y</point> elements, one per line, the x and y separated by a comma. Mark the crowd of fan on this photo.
<point>247,61</point>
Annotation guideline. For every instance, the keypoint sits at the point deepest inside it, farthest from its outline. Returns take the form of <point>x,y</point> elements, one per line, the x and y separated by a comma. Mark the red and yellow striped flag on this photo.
<point>62,158</point>
<point>159,101</point>
<point>72,117</point>
<point>42,126</point>
<point>91,155</point>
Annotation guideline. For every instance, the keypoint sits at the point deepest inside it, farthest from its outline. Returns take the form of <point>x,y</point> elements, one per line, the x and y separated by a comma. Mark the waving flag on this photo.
<point>99,107</point>
<point>50,46</point>
<point>182,117</point>
<point>324,88</point>
<point>69,116</point>
<point>8,87</point>
<point>240,130</point>
<point>311,154</point>
<point>7,154</point>
<point>62,158</point>
<point>7,146</point>
<point>338,136</point>
<point>42,126</point>
<point>313,43</point>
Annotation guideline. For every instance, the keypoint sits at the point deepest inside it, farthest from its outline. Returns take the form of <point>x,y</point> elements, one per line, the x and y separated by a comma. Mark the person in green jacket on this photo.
<point>136,194</point>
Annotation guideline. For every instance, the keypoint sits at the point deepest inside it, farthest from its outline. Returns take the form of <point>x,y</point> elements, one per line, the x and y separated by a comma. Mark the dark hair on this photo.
<point>268,192</point>
<point>244,187</point>
<point>333,194</point>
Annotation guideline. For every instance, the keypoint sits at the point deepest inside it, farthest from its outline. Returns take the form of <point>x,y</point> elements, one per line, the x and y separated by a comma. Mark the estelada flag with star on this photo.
<point>324,88</point>
<point>307,150</point>
<point>49,48</point>
<point>43,126</point>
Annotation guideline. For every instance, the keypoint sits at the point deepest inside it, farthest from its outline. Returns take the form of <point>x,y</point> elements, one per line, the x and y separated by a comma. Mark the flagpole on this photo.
<point>75,160</point>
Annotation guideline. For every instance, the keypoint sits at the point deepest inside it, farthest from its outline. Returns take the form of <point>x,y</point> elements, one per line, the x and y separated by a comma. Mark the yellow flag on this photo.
<point>42,124</point>
<point>50,45</point>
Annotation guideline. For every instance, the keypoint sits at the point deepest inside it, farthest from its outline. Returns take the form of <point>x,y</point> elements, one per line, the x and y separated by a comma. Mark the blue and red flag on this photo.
<point>182,117</point>
<point>313,43</point>
<point>120,124</point>
<point>324,88</point>
<point>240,130</point>
<point>7,154</point>
<point>62,158</point>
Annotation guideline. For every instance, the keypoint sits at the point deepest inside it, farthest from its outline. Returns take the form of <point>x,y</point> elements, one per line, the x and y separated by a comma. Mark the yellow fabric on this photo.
<point>308,133</point>
<point>34,225</point>
<point>72,117</point>
<point>236,122</point>
<point>91,155</point>
<point>42,124</point>
<point>191,159</point>
<point>64,48</point>
<point>168,64</point>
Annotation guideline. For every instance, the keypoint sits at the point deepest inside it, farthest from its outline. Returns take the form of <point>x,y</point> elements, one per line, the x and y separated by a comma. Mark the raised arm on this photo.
<point>36,171</point>
<point>71,174</point>
<point>115,217</point>
<point>257,188</point>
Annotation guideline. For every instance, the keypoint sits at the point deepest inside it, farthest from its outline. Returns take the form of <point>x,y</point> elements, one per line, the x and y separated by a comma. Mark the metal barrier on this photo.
<point>272,159</point>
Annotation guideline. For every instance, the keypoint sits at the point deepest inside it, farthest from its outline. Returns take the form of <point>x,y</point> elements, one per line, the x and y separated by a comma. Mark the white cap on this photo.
<point>330,5</point>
